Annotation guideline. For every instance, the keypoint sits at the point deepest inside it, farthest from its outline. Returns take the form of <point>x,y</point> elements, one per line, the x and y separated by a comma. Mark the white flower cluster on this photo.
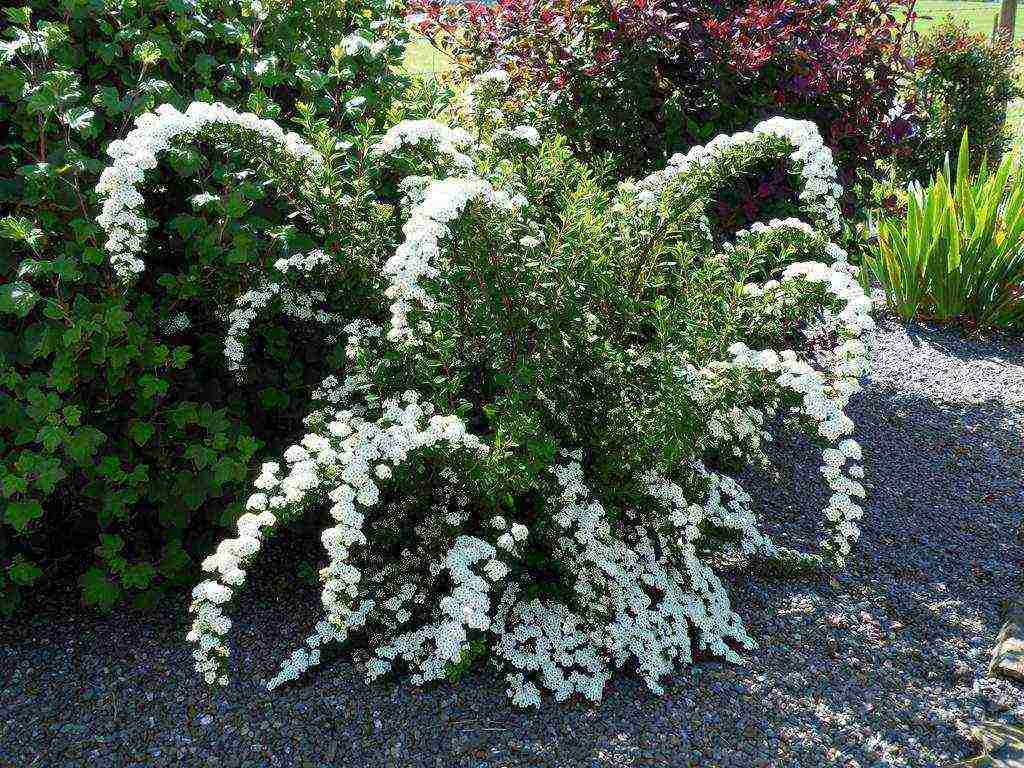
<point>258,8</point>
<point>416,258</point>
<point>739,427</point>
<point>496,78</point>
<point>813,161</point>
<point>431,648</point>
<point>546,644</point>
<point>176,323</point>
<point>790,226</point>
<point>413,189</point>
<point>824,396</point>
<point>451,143</point>
<point>208,598</point>
<point>295,303</point>
<point>356,45</point>
<point>518,138</point>
<point>138,152</point>
<point>485,88</point>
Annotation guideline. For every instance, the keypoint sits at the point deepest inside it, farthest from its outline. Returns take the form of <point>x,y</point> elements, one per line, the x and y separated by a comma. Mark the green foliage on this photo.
<point>117,418</point>
<point>962,82</point>
<point>476,650</point>
<point>959,252</point>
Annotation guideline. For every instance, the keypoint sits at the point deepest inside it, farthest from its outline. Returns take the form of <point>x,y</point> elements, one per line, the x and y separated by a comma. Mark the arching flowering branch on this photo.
<point>824,396</point>
<point>154,133</point>
<point>345,459</point>
<point>298,302</point>
<point>416,258</point>
<point>428,137</point>
<point>797,141</point>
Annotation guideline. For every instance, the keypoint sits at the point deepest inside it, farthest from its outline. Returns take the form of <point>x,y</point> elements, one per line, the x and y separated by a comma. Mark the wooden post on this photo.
<point>1007,18</point>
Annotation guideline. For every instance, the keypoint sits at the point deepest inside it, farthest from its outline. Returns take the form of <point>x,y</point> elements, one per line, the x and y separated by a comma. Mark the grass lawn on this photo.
<point>1015,119</point>
<point>979,15</point>
<point>422,58</point>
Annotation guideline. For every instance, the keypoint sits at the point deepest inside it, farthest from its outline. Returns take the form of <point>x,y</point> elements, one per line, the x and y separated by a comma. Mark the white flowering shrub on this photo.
<point>529,453</point>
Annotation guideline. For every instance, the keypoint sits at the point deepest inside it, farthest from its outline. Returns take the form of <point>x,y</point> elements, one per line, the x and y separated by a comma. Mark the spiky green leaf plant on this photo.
<point>959,251</point>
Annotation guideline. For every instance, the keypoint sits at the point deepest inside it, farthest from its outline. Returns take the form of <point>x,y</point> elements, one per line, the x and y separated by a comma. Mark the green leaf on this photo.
<point>174,560</point>
<point>81,120</point>
<point>204,64</point>
<point>109,546</point>
<point>148,599</point>
<point>141,431</point>
<point>226,470</point>
<point>110,100</point>
<point>82,444</point>
<point>180,357</point>
<point>13,484</point>
<point>50,436</point>
<point>23,572</point>
<point>98,591</point>
<point>272,398</point>
<point>17,298</point>
<point>139,475</point>
<point>200,456</point>
<point>20,17</point>
<point>150,386</point>
<point>138,576</point>
<point>110,468</point>
<point>108,52</point>
<point>49,475</point>
<point>236,206</point>
<point>20,513</point>
<point>72,415</point>
<point>20,229</point>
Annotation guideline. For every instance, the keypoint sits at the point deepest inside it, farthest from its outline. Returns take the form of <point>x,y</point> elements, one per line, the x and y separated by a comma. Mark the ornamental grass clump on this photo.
<point>529,452</point>
<point>958,254</point>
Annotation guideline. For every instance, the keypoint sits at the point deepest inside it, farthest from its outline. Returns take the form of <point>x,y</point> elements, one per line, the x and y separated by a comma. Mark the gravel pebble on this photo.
<point>882,665</point>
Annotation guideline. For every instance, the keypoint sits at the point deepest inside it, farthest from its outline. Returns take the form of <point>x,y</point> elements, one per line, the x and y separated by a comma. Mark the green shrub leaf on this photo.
<point>98,590</point>
<point>20,514</point>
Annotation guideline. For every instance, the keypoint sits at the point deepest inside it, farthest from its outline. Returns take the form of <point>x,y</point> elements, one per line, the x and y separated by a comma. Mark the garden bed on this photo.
<point>882,665</point>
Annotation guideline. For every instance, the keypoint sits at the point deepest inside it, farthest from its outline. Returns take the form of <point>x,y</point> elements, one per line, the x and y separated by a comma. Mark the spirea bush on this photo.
<point>124,436</point>
<point>528,452</point>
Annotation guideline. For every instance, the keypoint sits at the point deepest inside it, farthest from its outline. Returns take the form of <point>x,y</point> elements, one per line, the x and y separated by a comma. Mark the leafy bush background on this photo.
<point>626,78</point>
<point>118,422</point>
<point>962,82</point>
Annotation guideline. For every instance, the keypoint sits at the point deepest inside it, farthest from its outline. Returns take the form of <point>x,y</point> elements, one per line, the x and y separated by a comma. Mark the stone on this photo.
<point>1008,654</point>
<point>1002,746</point>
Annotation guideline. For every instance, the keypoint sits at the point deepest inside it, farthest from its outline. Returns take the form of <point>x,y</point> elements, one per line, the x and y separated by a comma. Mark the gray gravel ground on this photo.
<point>882,666</point>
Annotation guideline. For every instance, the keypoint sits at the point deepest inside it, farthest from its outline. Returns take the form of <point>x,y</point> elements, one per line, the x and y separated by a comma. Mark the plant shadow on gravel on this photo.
<point>939,554</point>
<point>950,340</point>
